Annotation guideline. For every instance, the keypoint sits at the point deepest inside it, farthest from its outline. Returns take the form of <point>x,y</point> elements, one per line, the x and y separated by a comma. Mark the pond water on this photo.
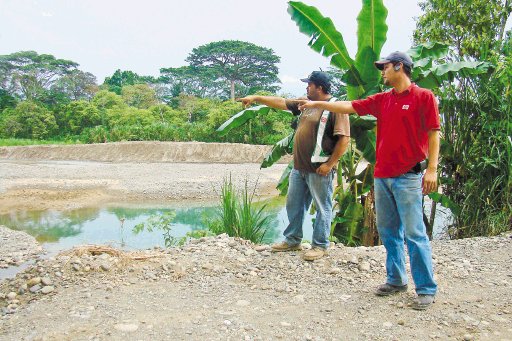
<point>119,226</point>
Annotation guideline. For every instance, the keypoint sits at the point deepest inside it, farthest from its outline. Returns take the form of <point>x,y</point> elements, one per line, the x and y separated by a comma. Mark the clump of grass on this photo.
<point>239,215</point>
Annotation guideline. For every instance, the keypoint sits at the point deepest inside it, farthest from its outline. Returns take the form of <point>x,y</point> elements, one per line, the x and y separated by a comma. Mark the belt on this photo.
<point>419,167</point>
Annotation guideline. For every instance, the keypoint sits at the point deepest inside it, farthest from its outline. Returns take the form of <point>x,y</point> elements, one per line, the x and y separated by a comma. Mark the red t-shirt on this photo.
<point>403,123</point>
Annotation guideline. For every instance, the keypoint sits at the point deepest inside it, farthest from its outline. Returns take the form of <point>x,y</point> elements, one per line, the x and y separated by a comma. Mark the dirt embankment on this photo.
<point>70,176</point>
<point>176,152</point>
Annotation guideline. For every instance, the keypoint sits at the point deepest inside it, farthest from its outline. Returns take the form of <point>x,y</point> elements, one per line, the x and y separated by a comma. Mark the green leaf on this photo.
<point>281,148</point>
<point>438,74</point>
<point>325,39</point>
<point>430,51</point>
<point>371,36</point>
<point>361,130</point>
<point>243,116</point>
<point>282,185</point>
<point>445,202</point>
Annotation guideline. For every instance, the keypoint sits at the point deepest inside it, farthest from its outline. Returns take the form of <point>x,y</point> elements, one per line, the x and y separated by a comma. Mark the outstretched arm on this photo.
<point>274,102</point>
<point>341,107</point>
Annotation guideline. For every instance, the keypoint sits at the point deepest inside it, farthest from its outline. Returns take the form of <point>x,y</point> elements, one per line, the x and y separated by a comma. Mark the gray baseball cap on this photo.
<point>395,57</point>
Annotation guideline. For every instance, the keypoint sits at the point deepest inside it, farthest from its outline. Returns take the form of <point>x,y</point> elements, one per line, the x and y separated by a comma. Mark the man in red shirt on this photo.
<point>407,134</point>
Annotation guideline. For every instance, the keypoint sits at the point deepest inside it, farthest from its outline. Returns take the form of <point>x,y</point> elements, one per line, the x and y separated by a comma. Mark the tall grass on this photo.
<point>239,215</point>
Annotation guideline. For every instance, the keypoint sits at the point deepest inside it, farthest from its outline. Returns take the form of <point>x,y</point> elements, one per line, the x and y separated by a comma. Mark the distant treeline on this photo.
<point>46,98</point>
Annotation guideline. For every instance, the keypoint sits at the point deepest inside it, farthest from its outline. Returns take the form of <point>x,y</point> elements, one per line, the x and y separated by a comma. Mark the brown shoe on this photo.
<point>284,246</point>
<point>314,253</point>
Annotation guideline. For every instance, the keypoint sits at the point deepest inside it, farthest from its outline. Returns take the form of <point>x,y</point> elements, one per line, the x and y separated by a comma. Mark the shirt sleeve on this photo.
<point>341,124</point>
<point>371,105</point>
<point>431,112</point>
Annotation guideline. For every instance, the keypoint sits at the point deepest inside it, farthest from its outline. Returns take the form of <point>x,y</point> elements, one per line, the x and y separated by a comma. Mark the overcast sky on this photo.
<point>144,36</point>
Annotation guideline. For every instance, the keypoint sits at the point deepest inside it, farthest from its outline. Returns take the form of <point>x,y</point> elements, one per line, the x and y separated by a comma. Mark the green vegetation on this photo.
<point>354,222</point>
<point>46,98</point>
<point>476,111</point>
<point>239,215</point>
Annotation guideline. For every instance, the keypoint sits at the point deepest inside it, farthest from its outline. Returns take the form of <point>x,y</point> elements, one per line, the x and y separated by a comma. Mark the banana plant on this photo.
<point>362,79</point>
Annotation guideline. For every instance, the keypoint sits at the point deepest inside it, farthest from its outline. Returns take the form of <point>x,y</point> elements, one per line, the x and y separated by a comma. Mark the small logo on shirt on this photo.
<point>323,119</point>
<point>405,107</point>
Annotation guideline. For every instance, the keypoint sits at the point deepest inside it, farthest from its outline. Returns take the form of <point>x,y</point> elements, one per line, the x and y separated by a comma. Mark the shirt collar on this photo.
<point>406,92</point>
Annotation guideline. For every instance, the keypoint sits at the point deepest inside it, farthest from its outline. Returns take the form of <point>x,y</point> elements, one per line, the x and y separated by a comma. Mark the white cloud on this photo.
<point>286,79</point>
<point>47,14</point>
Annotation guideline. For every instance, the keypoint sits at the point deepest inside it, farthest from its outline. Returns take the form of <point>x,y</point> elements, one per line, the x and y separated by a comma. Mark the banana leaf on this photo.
<point>371,36</point>
<point>430,51</point>
<point>361,130</point>
<point>240,118</point>
<point>325,39</point>
<point>282,185</point>
<point>445,202</point>
<point>438,74</point>
<point>349,223</point>
<point>281,148</point>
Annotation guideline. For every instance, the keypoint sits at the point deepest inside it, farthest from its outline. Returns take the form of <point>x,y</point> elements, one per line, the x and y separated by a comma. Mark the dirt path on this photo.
<point>221,288</point>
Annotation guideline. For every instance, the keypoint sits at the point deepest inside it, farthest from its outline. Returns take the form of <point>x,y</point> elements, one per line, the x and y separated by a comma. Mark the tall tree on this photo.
<point>244,67</point>
<point>29,75</point>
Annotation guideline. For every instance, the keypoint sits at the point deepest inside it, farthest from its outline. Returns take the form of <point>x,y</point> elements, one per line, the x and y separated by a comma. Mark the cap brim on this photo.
<point>380,63</point>
<point>305,80</point>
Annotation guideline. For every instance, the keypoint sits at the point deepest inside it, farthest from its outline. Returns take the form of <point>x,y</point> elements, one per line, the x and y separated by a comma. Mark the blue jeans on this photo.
<point>303,188</point>
<point>398,203</point>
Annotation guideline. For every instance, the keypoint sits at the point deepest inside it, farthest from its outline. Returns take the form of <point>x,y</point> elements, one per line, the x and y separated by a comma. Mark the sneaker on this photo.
<point>422,302</point>
<point>284,246</point>
<point>389,289</point>
<point>314,253</point>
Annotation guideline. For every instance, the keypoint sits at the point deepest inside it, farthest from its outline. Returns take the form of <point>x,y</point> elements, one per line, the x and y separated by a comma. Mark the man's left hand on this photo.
<point>323,170</point>
<point>430,181</point>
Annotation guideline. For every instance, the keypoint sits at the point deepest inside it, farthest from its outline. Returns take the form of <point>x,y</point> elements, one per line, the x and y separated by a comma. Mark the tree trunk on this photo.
<point>371,237</point>
<point>232,91</point>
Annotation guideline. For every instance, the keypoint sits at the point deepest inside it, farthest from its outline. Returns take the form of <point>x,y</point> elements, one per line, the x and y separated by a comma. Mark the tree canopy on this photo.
<point>241,67</point>
<point>472,27</point>
<point>30,75</point>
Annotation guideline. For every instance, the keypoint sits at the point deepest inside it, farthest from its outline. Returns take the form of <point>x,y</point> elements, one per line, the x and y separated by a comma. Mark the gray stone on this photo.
<point>364,266</point>
<point>11,296</point>
<point>105,267</point>
<point>46,281</point>
<point>47,289</point>
<point>35,288</point>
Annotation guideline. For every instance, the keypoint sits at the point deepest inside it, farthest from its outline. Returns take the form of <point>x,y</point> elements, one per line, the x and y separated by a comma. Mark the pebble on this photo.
<point>47,289</point>
<point>364,266</point>
<point>33,281</point>
<point>46,281</point>
<point>11,296</point>
<point>105,266</point>
<point>126,327</point>
<point>35,288</point>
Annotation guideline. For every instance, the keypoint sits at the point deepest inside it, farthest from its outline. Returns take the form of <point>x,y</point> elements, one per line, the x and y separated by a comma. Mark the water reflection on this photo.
<point>117,226</point>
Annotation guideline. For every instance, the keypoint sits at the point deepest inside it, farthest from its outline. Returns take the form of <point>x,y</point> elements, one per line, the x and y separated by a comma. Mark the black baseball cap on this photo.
<point>319,78</point>
<point>395,57</point>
